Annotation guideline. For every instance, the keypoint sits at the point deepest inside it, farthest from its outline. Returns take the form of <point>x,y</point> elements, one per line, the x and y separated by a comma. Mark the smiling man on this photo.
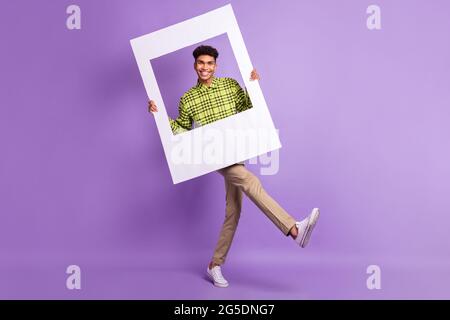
<point>213,99</point>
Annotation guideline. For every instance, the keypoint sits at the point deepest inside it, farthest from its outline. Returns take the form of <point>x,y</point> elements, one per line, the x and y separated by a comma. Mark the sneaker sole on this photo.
<point>314,216</point>
<point>216,283</point>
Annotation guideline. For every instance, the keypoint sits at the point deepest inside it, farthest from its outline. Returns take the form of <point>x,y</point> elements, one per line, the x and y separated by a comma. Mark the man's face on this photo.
<point>205,66</point>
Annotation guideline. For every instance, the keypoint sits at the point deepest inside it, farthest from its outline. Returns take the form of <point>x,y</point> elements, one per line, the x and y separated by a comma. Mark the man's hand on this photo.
<point>152,106</point>
<point>254,75</point>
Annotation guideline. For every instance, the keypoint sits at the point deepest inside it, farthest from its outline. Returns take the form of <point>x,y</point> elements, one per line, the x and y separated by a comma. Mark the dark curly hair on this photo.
<point>205,50</point>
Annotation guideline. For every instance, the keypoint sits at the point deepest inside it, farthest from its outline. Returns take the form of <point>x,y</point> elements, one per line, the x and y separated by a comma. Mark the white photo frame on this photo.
<point>224,142</point>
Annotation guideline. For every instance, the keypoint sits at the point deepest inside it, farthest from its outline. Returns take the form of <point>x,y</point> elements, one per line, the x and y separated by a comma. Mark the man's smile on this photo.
<point>205,73</point>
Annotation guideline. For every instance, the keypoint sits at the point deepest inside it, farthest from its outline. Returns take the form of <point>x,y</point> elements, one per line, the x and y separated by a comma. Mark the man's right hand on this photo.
<point>152,106</point>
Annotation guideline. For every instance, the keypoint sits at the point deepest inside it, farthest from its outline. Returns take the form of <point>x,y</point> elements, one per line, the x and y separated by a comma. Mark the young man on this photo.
<point>213,99</point>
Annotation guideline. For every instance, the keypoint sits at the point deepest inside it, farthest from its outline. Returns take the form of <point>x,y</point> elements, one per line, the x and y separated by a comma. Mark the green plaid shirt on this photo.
<point>203,105</point>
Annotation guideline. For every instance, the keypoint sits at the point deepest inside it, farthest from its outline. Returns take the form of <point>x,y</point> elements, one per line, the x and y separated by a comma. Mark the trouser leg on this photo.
<point>238,176</point>
<point>232,215</point>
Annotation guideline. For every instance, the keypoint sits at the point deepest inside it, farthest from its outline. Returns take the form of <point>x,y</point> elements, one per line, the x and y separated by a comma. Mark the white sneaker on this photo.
<point>215,274</point>
<point>305,227</point>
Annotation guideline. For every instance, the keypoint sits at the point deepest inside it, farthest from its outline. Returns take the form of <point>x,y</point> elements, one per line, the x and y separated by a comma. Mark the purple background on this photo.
<point>363,119</point>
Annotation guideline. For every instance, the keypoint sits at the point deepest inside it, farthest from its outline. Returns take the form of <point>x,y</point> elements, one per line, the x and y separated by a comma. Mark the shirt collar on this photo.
<point>205,87</point>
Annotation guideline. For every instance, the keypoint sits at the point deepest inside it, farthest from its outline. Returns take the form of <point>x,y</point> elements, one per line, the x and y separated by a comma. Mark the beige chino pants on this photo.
<point>239,180</point>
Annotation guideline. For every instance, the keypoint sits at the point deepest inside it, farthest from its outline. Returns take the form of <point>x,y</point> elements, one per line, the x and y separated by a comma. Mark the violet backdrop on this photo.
<point>363,120</point>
